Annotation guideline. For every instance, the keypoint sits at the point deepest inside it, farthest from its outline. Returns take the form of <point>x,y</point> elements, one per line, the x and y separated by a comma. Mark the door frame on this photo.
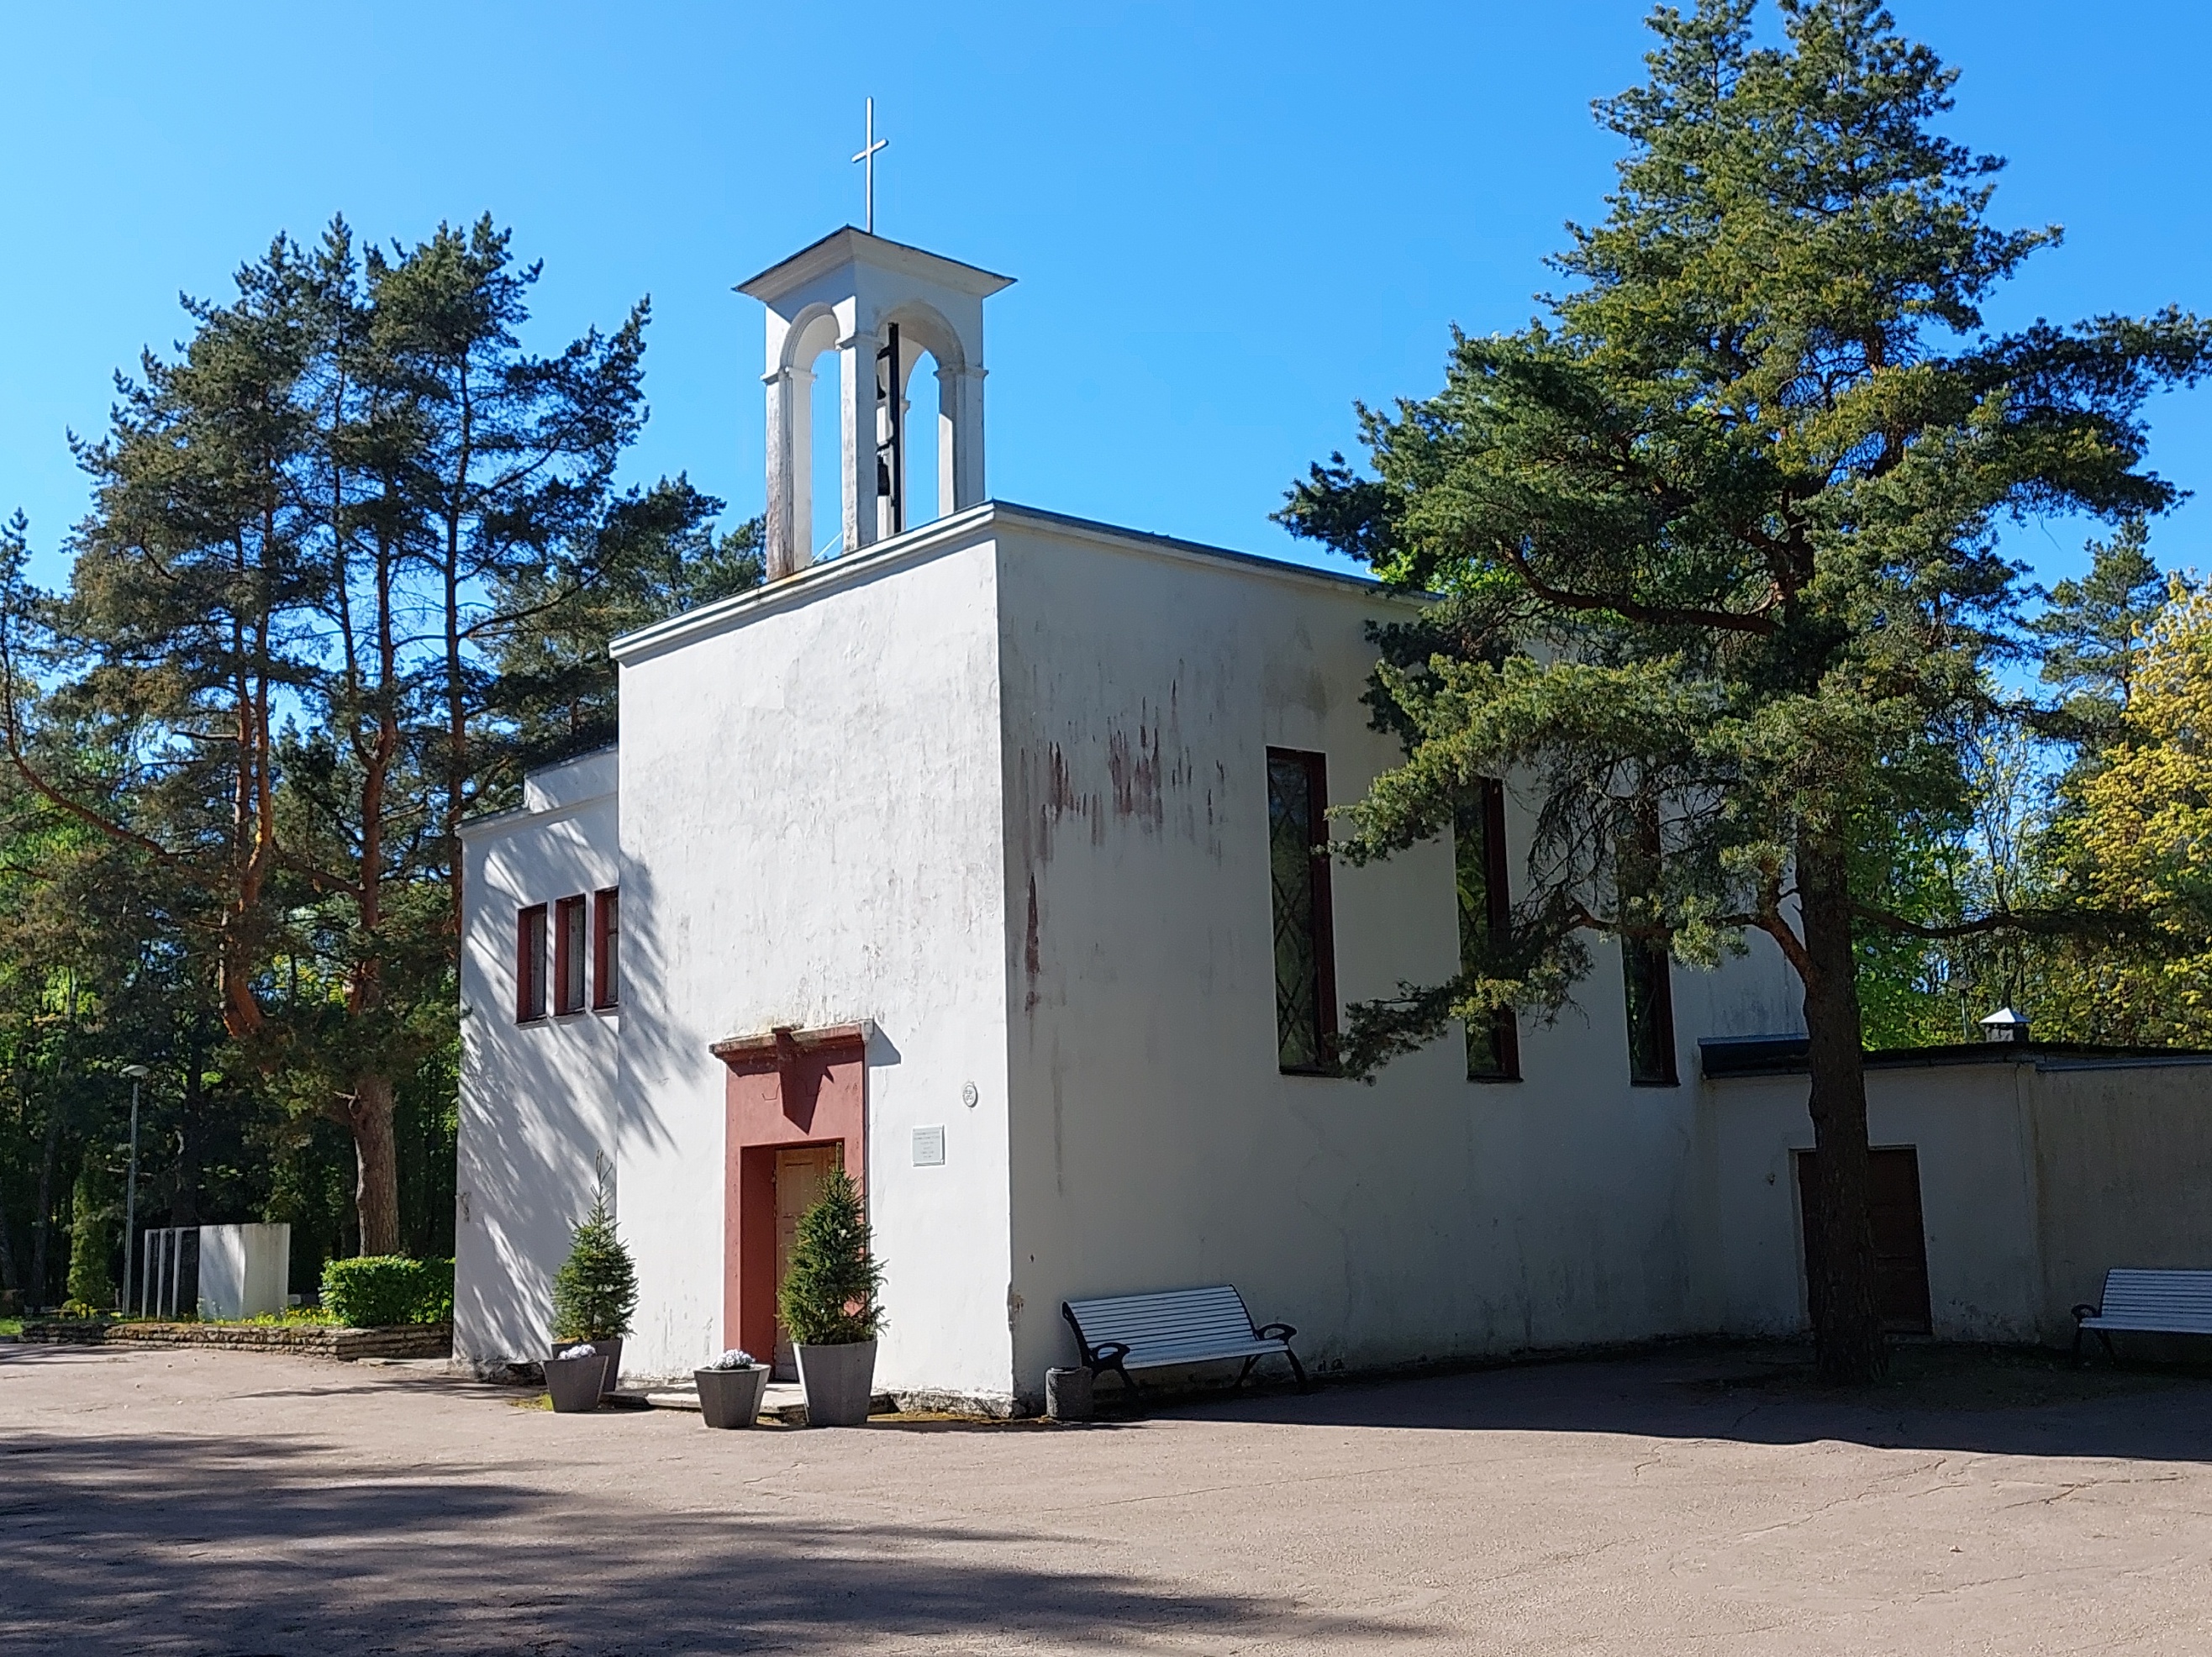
<point>1923,1323</point>
<point>783,1089</point>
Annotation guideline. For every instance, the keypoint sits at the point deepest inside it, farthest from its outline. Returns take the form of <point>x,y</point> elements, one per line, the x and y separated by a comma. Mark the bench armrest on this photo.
<point>2084,1310</point>
<point>1107,1353</point>
<point>1274,1331</point>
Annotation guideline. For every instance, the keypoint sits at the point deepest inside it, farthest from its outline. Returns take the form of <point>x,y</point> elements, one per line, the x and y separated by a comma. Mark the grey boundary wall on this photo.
<point>418,1340</point>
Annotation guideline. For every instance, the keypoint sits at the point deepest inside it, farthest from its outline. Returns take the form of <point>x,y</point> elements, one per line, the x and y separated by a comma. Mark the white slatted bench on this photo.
<point>2147,1302</point>
<point>1121,1332</point>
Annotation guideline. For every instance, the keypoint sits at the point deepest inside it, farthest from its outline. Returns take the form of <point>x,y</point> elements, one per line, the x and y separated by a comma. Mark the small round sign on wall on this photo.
<point>968,1096</point>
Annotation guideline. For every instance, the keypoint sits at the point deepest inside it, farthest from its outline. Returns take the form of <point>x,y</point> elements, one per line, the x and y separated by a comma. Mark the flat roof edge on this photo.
<point>960,529</point>
<point>492,824</point>
<point>1724,1058</point>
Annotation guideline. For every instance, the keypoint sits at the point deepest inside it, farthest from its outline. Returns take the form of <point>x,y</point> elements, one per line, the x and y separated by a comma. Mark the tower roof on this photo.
<point>850,246</point>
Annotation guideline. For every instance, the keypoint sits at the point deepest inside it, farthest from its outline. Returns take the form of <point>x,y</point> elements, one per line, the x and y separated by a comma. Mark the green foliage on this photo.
<point>1715,542</point>
<point>655,554</point>
<point>375,1291</point>
<point>353,557</point>
<point>2093,631</point>
<point>828,1295</point>
<point>2038,837</point>
<point>595,1291</point>
<point>93,1218</point>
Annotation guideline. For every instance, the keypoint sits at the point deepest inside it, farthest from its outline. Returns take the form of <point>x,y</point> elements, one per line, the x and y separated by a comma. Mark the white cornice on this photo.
<point>965,529</point>
<point>494,825</point>
<point>849,246</point>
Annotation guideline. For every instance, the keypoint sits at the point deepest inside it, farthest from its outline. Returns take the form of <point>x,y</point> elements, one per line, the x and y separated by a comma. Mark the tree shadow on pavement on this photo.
<point>247,1546</point>
<point>2011,1401</point>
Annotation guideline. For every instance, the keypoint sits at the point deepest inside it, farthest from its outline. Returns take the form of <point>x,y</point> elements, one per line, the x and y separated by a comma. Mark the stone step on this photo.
<point>783,1400</point>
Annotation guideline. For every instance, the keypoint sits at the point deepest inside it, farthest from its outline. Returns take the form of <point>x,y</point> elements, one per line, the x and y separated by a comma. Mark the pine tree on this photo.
<point>2093,631</point>
<point>829,1296</point>
<point>595,1291</point>
<point>2136,835</point>
<point>1716,546</point>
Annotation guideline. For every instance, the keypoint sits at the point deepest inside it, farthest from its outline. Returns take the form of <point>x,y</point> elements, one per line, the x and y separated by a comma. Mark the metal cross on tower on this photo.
<point>867,155</point>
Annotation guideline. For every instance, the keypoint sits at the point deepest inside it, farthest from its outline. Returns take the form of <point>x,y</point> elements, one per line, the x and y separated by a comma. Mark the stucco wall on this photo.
<point>537,1114</point>
<point>2123,1165</point>
<point>811,826</point>
<point>2035,1179</point>
<point>1155,1143</point>
<point>1978,1195</point>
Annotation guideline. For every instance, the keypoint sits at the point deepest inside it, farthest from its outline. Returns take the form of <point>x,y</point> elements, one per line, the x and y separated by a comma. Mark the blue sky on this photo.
<point>1226,223</point>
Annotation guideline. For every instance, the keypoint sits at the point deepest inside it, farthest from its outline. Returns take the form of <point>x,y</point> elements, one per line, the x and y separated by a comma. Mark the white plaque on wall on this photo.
<point>929,1147</point>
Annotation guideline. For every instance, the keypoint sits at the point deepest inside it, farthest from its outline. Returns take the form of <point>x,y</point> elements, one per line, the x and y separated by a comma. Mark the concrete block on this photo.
<point>245,1270</point>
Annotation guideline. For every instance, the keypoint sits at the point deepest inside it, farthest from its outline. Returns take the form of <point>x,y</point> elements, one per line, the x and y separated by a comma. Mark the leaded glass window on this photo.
<point>1305,970</point>
<point>1646,972</point>
<point>1494,1047</point>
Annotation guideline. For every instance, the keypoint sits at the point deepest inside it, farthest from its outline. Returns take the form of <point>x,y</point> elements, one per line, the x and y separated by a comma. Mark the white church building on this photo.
<point>973,859</point>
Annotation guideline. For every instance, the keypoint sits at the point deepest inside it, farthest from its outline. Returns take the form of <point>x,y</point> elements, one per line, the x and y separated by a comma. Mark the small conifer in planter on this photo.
<point>829,1306</point>
<point>595,1291</point>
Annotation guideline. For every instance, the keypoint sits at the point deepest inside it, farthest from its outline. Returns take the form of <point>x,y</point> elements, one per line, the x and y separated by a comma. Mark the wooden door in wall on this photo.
<point>1900,1240</point>
<point>800,1171</point>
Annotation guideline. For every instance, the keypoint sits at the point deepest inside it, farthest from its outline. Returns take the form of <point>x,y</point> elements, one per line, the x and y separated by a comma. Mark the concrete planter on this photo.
<point>731,1398</point>
<point>1067,1394</point>
<point>840,1381</point>
<point>610,1349</point>
<point>575,1383</point>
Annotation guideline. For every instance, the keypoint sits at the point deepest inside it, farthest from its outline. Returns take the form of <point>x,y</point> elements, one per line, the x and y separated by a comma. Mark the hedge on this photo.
<point>376,1291</point>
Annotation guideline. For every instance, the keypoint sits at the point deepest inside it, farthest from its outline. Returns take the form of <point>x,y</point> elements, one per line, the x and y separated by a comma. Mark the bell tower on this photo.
<point>879,305</point>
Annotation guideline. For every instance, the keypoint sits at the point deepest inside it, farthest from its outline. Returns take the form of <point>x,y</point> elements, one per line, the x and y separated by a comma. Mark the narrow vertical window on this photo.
<point>1647,972</point>
<point>1305,949</point>
<point>606,947</point>
<point>530,963</point>
<point>568,956</point>
<point>1493,1045</point>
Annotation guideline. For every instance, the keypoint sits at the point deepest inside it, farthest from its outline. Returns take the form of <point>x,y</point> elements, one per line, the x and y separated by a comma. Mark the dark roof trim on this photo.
<point>1721,1057</point>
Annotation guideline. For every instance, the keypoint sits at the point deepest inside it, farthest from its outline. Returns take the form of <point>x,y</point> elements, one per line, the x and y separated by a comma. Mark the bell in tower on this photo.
<point>879,305</point>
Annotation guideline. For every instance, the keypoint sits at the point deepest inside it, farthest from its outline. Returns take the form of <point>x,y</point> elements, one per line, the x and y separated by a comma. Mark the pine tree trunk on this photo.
<point>1840,1262</point>
<point>376,1191</point>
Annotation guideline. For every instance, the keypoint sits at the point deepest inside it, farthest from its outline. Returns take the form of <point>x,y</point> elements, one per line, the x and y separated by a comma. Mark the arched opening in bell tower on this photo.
<point>917,436</point>
<point>910,449</point>
<point>875,394</point>
<point>817,521</point>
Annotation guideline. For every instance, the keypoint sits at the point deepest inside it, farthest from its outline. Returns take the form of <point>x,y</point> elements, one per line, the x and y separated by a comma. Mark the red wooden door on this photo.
<point>800,1173</point>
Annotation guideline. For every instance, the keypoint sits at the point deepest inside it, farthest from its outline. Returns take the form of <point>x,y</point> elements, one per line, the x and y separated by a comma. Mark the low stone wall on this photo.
<point>418,1340</point>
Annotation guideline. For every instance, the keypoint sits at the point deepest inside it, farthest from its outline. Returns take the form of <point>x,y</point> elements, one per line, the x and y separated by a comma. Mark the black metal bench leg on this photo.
<point>2108,1350</point>
<point>1245,1373</point>
<point>1298,1370</point>
<point>1130,1390</point>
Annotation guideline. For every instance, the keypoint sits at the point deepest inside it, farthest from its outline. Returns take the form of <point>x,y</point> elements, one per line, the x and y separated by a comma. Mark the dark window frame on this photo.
<point>570,940</point>
<point>1651,1056</point>
<point>530,926</point>
<point>1493,1055</point>
<point>606,947</point>
<point>1647,974</point>
<point>1320,918</point>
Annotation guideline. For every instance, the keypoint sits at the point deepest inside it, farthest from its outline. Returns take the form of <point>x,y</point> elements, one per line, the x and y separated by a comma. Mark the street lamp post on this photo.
<point>138,1073</point>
